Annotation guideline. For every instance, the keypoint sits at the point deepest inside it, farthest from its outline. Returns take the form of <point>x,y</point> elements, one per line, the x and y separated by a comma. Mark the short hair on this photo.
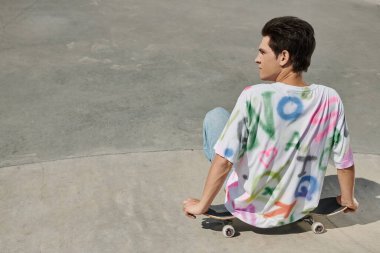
<point>294,35</point>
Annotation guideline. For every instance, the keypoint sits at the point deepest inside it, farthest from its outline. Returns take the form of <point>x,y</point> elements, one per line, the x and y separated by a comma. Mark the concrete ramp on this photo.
<point>133,203</point>
<point>101,110</point>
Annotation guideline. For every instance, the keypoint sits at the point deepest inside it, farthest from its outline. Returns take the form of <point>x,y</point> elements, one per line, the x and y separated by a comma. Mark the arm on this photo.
<point>217,175</point>
<point>346,179</point>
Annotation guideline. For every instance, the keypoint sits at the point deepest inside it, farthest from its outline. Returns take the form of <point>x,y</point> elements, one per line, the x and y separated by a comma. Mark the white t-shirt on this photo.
<point>279,138</point>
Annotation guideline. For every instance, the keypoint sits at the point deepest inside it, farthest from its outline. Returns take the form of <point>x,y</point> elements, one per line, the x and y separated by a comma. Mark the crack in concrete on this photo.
<point>99,155</point>
<point>125,153</point>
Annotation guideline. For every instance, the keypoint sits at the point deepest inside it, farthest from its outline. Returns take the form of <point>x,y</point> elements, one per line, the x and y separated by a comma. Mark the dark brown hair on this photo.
<point>294,35</point>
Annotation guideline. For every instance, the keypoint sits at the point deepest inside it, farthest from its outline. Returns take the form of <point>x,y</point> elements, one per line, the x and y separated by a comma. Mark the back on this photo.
<point>279,138</point>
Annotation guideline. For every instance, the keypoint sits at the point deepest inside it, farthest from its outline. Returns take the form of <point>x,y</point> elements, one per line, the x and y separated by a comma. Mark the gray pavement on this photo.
<point>101,109</point>
<point>132,203</point>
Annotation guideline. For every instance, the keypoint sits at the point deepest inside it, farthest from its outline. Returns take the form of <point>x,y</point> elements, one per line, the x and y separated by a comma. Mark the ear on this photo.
<point>284,58</point>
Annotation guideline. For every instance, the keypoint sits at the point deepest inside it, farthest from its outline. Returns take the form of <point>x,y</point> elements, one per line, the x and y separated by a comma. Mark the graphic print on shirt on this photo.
<point>336,137</point>
<point>331,142</point>
<point>306,94</point>
<point>306,159</point>
<point>283,209</point>
<point>270,178</point>
<point>242,134</point>
<point>331,118</point>
<point>258,195</point>
<point>323,162</point>
<point>267,156</point>
<point>283,108</point>
<point>243,205</point>
<point>307,186</point>
<point>254,121</point>
<point>294,141</point>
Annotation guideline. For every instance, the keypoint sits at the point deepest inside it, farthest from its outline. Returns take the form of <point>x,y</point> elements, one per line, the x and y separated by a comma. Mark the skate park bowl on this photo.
<point>102,104</point>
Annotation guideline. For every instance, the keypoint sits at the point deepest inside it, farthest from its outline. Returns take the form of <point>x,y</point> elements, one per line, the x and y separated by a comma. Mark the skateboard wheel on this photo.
<point>228,231</point>
<point>318,228</point>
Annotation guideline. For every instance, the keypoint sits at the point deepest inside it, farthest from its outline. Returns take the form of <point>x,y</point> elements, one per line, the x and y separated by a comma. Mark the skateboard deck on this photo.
<point>221,214</point>
<point>326,207</point>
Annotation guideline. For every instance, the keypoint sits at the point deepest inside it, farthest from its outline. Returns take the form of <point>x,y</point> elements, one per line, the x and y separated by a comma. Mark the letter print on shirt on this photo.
<point>254,120</point>
<point>331,118</point>
<point>289,102</point>
<point>307,186</point>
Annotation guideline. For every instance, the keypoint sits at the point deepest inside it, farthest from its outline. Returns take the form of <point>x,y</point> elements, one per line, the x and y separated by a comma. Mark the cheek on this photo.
<point>266,63</point>
<point>271,65</point>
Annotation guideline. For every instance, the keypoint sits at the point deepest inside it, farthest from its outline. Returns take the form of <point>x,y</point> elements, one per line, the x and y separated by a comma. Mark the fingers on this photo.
<point>186,204</point>
<point>189,215</point>
<point>349,210</point>
<point>351,206</point>
<point>190,201</point>
<point>192,216</point>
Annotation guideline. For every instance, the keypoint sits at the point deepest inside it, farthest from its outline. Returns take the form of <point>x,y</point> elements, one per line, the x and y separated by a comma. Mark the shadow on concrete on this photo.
<point>367,193</point>
<point>294,228</point>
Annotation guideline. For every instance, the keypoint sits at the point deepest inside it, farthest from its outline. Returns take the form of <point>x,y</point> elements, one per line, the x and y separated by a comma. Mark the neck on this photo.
<point>291,78</point>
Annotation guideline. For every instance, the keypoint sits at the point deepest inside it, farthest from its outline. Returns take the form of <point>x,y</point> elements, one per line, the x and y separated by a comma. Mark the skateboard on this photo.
<point>222,215</point>
<point>326,207</point>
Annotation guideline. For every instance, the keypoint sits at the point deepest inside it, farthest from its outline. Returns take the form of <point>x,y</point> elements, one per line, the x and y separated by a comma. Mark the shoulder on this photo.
<point>259,86</point>
<point>254,92</point>
<point>331,95</point>
<point>327,89</point>
<point>257,89</point>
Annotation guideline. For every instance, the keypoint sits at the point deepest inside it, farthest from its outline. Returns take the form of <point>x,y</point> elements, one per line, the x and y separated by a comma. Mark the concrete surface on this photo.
<point>92,77</point>
<point>132,203</point>
<point>101,108</point>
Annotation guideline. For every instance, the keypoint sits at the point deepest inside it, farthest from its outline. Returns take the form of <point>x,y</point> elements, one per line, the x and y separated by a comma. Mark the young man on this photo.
<point>276,143</point>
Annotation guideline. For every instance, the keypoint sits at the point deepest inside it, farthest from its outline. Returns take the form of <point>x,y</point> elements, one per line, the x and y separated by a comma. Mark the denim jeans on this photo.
<point>213,125</point>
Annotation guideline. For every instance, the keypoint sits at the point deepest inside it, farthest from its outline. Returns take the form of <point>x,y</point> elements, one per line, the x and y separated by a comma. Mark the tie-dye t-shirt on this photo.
<point>279,138</point>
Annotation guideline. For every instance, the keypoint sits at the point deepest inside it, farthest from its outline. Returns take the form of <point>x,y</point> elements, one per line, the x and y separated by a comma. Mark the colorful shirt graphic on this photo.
<point>279,138</point>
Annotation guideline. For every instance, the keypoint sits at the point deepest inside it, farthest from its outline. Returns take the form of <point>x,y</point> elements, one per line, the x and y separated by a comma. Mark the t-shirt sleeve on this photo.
<point>341,150</point>
<point>230,142</point>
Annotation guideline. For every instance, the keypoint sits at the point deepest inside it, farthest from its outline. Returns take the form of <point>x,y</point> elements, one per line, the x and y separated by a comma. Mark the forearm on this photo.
<point>346,179</point>
<point>217,175</point>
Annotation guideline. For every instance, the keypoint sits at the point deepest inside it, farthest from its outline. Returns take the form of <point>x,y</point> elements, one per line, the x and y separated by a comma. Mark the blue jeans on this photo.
<point>213,126</point>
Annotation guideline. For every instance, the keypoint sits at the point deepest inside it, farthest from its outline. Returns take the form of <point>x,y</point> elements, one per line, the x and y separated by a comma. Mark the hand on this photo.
<point>193,207</point>
<point>351,205</point>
